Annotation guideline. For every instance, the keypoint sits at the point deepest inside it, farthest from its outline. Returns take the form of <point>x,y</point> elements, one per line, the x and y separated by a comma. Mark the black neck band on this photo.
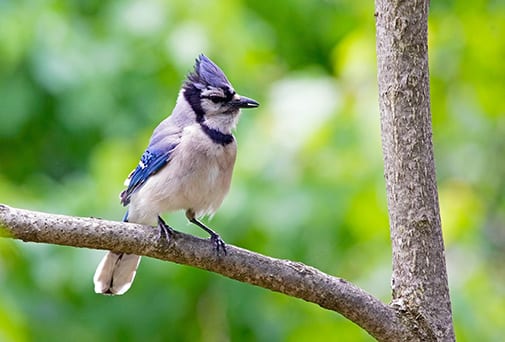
<point>217,136</point>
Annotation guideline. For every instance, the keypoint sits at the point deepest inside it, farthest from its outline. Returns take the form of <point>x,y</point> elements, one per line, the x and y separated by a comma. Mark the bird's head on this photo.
<point>211,95</point>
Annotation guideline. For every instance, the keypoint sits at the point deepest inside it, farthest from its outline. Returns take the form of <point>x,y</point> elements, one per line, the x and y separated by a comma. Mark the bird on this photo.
<point>187,165</point>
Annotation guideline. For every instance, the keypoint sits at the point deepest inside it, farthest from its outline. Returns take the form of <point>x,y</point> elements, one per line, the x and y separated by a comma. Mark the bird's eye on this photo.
<point>216,99</point>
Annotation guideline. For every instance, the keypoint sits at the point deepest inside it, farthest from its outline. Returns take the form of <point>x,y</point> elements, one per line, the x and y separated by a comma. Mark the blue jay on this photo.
<point>187,166</point>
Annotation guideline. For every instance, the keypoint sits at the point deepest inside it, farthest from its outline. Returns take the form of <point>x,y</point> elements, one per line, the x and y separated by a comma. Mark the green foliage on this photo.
<point>83,83</point>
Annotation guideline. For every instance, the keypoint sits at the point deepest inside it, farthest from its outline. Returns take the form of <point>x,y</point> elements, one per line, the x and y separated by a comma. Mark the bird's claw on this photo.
<point>166,231</point>
<point>219,244</point>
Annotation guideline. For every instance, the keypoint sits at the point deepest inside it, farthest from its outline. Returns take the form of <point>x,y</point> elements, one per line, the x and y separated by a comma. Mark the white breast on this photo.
<point>197,177</point>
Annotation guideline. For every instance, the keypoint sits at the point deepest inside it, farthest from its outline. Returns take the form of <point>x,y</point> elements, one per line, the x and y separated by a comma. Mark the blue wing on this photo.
<point>150,163</point>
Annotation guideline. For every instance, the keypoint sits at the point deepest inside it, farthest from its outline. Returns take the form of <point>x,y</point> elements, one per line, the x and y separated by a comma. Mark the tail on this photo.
<point>115,273</point>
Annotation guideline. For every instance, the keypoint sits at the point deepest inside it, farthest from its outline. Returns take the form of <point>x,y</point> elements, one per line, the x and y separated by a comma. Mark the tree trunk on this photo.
<point>419,280</point>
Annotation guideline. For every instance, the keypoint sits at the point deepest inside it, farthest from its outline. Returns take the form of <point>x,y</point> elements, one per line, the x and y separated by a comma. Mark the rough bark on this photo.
<point>419,280</point>
<point>288,277</point>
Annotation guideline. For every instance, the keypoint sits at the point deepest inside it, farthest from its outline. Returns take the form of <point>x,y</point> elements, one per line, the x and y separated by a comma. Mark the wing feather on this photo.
<point>150,163</point>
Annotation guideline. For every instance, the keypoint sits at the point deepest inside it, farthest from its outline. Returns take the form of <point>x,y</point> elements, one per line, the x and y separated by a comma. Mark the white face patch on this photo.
<point>216,100</point>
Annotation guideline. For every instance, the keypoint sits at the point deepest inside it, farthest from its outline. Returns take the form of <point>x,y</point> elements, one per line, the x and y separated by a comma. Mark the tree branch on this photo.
<point>288,277</point>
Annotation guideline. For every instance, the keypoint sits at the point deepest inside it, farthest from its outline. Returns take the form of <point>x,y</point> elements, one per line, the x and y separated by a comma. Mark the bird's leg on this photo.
<point>165,230</point>
<point>214,237</point>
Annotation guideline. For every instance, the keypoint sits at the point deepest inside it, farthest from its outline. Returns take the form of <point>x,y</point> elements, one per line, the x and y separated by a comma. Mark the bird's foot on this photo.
<point>166,232</point>
<point>219,244</point>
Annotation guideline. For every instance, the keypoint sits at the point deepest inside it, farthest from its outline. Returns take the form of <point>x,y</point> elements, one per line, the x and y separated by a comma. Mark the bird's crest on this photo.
<point>207,73</point>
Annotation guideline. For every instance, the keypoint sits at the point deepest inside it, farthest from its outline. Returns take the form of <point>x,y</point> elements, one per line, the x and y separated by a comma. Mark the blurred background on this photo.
<point>83,84</point>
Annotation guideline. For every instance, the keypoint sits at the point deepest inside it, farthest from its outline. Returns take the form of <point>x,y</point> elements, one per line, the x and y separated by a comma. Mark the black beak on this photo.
<point>244,102</point>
